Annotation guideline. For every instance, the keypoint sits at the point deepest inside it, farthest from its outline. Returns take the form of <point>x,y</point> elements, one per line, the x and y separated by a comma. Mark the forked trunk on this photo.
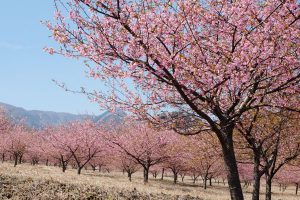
<point>182,177</point>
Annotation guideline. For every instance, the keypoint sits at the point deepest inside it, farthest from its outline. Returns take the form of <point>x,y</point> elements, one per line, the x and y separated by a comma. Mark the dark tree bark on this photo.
<point>129,175</point>
<point>64,168</point>
<point>268,188</point>
<point>195,177</point>
<point>257,174</point>
<point>15,159</point>
<point>20,158</point>
<point>205,182</point>
<point>162,174</point>
<point>233,178</point>
<point>79,170</point>
<point>175,177</point>
<point>175,174</point>
<point>146,174</point>
<point>64,163</point>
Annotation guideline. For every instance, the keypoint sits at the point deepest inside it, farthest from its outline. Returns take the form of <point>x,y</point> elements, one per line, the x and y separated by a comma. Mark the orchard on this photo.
<point>211,62</point>
<point>137,146</point>
<point>210,88</point>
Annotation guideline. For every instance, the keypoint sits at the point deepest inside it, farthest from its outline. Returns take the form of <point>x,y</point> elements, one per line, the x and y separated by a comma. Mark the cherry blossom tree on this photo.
<point>274,142</point>
<point>177,155</point>
<point>17,142</point>
<point>246,173</point>
<point>204,157</point>
<point>282,150</point>
<point>76,142</point>
<point>55,146</point>
<point>141,143</point>
<point>35,151</point>
<point>83,142</point>
<point>127,164</point>
<point>211,60</point>
<point>290,175</point>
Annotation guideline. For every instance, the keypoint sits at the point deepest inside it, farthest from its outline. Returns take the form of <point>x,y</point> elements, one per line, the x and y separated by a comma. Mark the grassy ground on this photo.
<point>47,182</point>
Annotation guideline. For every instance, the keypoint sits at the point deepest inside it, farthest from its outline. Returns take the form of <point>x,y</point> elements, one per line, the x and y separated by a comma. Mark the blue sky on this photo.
<point>26,70</point>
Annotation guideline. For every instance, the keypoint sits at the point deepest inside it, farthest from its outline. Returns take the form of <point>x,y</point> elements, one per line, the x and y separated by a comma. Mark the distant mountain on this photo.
<point>39,119</point>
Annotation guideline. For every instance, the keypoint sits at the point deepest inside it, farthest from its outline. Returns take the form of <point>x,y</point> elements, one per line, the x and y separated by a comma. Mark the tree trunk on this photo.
<point>284,188</point>
<point>79,170</point>
<point>20,159</point>
<point>268,188</point>
<point>210,182</point>
<point>233,178</point>
<point>175,177</point>
<point>256,185</point>
<point>162,174</point>
<point>16,160</point>
<point>182,177</point>
<point>194,179</point>
<point>3,157</point>
<point>146,174</point>
<point>205,182</point>
<point>297,187</point>
<point>155,175</point>
<point>129,176</point>
<point>64,166</point>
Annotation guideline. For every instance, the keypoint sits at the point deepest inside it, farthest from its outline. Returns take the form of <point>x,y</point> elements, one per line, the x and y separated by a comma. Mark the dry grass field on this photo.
<point>48,182</point>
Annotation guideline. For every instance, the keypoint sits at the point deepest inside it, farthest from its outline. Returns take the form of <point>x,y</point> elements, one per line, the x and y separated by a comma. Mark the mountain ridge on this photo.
<point>39,119</point>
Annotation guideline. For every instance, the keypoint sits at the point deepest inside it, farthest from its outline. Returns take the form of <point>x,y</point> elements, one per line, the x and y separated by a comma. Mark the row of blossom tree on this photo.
<point>137,146</point>
<point>214,61</point>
